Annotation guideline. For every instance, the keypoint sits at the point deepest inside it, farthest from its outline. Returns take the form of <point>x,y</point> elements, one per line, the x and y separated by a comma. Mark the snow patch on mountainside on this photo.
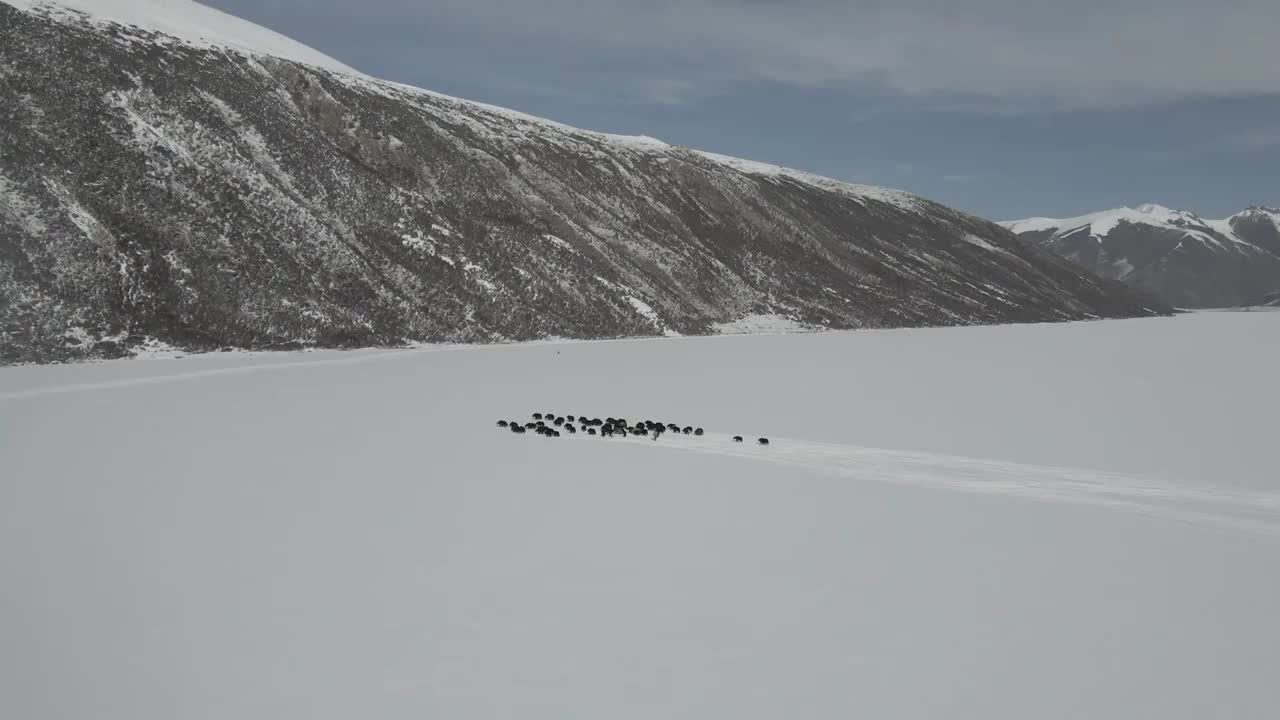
<point>763,324</point>
<point>982,243</point>
<point>188,21</point>
<point>898,198</point>
<point>1223,227</point>
<point>646,310</point>
<point>16,206</point>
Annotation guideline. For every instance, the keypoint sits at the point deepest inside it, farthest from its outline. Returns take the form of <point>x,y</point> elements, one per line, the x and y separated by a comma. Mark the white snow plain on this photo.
<point>1038,521</point>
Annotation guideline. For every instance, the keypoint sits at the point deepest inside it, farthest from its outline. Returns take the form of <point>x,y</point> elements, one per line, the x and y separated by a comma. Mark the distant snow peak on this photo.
<point>1186,259</point>
<point>1259,212</point>
<point>1160,212</point>
<point>1100,224</point>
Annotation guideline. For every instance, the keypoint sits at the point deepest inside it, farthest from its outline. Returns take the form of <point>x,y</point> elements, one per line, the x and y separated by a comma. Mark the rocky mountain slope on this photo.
<point>169,173</point>
<point>1188,261</point>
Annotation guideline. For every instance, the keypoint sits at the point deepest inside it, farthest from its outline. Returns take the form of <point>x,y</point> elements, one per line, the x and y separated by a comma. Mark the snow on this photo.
<point>647,311</point>
<point>18,208</point>
<point>639,142</point>
<point>251,139</point>
<point>153,349</point>
<point>1266,213</point>
<point>1099,224</point>
<point>1222,226</point>
<point>477,274</point>
<point>762,323</point>
<point>897,198</point>
<point>983,243</point>
<point>558,242</point>
<point>1048,521</point>
<point>419,243</point>
<point>188,21</point>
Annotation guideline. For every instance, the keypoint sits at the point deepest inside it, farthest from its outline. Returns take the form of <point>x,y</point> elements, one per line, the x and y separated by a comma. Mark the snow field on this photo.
<point>1050,521</point>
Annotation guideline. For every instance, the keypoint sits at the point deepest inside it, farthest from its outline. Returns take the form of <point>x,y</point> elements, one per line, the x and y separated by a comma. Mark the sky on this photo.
<point>1004,108</point>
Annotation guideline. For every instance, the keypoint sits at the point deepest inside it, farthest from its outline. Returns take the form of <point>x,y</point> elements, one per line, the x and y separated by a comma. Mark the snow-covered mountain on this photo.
<point>171,173</point>
<point>1176,254</point>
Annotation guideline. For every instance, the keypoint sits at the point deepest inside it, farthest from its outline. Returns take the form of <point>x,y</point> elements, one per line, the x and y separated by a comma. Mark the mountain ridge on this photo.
<point>1187,260</point>
<point>160,190</point>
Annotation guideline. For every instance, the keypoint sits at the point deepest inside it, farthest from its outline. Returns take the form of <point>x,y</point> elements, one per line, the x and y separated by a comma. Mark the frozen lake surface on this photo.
<point>1038,521</point>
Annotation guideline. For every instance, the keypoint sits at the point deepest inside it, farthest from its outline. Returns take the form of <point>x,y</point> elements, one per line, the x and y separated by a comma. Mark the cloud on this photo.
<point>1253,139</point>
<point>1027,53</point>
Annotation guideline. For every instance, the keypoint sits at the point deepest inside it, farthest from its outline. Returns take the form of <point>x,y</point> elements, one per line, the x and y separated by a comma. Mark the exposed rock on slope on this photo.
<point>1188,261</point>
<point>206,195</point>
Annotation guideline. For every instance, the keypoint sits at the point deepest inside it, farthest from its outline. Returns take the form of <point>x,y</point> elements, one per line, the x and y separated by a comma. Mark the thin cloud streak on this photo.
<point>1092,53</point>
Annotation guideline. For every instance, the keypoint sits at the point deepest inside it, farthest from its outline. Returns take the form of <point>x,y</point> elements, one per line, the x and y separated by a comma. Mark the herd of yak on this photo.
<point>550,425</point>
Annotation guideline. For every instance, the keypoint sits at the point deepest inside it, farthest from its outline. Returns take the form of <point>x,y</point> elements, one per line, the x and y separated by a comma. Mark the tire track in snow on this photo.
<point>1201,505</point>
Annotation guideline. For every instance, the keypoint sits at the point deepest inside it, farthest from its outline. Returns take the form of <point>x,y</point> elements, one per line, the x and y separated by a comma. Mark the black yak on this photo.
<point>737,438</point>
<point>559,422</point>
<point>572,430</point>
<point>537,416</point>
<point>688,430</point>
<point>591,431</point>
<point>502,423</point>
<point>763,441</point>
<point>698,432</point>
